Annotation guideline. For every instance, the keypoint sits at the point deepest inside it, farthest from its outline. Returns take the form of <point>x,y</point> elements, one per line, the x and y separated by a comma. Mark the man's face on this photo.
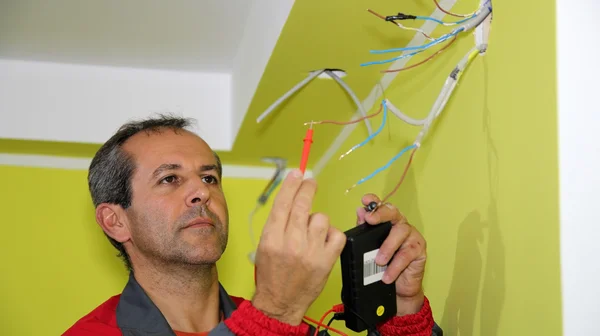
<point>178,212</point>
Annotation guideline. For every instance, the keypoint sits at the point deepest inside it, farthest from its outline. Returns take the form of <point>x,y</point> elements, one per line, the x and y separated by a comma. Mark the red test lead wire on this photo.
<point>308,139</point>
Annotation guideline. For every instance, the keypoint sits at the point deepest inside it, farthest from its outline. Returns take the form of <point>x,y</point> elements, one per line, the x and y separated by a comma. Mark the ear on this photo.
<point>113,221</point>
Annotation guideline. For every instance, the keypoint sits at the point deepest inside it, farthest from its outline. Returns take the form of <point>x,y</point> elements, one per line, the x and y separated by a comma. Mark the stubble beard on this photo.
<point>168,245</point>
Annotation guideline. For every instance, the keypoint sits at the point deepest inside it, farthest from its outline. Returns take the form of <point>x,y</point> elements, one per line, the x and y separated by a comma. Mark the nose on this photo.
<point>199,193</point>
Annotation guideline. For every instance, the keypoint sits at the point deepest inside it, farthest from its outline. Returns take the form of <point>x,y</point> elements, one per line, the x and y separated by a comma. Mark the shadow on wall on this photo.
<point>468,282</point>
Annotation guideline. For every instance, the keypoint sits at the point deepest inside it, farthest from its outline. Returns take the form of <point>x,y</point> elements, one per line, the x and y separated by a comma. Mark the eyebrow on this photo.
<point>174,166</point>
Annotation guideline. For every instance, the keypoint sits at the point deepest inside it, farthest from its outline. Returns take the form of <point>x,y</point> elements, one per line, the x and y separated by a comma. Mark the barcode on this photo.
<point>371,271</point>
<point>371,268</point>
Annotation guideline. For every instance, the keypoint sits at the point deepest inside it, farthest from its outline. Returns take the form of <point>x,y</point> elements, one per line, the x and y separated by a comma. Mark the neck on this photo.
<point>187,295</point>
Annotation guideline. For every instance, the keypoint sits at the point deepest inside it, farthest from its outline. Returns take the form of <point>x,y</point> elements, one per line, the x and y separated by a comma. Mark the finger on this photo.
<point>282,204</point>
<point>360,215</point>
<point>385,213</point>
<point>397,236</point>
<point>336,240</point>
<point>368,198</point>
<point>318,227</point>
<point>407,254</point>
<point>301,207</point>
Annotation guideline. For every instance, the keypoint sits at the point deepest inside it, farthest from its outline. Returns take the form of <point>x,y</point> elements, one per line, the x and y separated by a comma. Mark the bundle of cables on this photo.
<point>464,25</point>
<point>472,21</point>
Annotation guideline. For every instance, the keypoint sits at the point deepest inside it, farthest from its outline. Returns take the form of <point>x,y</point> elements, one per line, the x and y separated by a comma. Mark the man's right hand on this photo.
<point>296,253</point>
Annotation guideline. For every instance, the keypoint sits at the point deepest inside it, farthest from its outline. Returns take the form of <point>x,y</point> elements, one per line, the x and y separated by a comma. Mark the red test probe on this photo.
<point>308,139</point>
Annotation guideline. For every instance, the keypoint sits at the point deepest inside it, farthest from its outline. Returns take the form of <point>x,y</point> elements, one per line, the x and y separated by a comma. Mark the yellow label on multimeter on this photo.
<point>380,310</point>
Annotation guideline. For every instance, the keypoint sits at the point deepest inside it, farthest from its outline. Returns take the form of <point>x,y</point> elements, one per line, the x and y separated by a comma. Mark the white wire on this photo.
<point>305,81</point>
<point>288,94</point>
<point>402,116</point>
<point>444,96</point>
<point>360,106</point>
<point>415,29</point>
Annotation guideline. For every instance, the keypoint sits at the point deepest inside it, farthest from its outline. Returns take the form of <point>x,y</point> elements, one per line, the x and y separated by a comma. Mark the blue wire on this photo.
<point>386,165</point>
<point>393,59</point>
<point>376,132</point>
<point>425,46</point>
<point>440,40</point>
<point>429,18</point>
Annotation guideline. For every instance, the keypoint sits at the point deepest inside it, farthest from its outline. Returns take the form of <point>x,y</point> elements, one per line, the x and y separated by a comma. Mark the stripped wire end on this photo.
<point>376,14</point>
<point>349,189</point>
<point>372,135</point>
<point>391,19</point>
<point>348,152</point>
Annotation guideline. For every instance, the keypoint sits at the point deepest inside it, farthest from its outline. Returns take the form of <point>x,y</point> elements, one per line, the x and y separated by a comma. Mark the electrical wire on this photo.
<point>404,117</point>
<point>286,95</point>
<point>412,154</point>
<point>479,18</point>
<point>447,90</point>
<point>344,122</point>
<point>358,103</point>
<point>436,110</point>
<point>425,60</point>
<point>370,136</point>
<point>322,325</point>
<point>401,26</point>
<point>379,170</point>
<point>429,18</point>
<point>305,81</point>
<point>393,59</point>
<point>422,47</point>
<point>437,4</point>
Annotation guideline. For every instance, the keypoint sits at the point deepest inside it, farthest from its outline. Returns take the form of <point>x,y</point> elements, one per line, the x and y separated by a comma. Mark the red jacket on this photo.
<point>132,313</point>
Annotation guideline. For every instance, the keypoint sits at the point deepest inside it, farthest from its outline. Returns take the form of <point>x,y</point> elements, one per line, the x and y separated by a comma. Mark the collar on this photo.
<point>138,315</point>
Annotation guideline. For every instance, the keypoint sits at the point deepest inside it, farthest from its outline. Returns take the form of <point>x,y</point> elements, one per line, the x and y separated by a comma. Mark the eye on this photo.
<point>210,179</point>
<point>169,179</point>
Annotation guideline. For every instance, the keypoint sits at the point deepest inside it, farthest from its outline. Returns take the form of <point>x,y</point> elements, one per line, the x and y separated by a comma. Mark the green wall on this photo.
<point>58,265</point>
<point>483,189</point>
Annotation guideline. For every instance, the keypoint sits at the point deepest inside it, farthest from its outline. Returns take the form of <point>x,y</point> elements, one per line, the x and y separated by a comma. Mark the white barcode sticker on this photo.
<point>371,271</point>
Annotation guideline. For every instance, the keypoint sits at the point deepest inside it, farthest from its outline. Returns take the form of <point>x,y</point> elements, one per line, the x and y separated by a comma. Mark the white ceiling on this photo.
<point>74,70</point>
<point>191,35</point>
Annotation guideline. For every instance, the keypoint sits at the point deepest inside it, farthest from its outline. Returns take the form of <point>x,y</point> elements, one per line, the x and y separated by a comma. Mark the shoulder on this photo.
<point>100,321</point>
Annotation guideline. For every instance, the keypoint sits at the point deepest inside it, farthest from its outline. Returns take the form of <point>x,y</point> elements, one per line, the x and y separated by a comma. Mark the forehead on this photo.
<point>151,149</point>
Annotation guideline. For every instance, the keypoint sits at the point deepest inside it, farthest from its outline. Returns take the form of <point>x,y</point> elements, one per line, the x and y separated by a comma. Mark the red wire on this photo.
<point>425,60</point>
<point>349,122</point>
<point>321,324</point>
<point>449,13</point>
<point>401,178</point>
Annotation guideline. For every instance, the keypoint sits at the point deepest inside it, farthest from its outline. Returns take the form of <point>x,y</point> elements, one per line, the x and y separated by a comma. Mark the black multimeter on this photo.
<point>367,300</point>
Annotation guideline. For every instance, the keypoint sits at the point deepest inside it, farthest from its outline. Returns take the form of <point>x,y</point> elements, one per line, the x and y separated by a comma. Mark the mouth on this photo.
<point>199,223</point>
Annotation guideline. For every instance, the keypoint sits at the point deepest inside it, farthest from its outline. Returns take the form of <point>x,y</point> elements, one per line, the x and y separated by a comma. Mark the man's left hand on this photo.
<point>406,247</point>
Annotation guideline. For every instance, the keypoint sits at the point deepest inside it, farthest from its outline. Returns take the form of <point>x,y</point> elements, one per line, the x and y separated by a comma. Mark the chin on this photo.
<point>205,258</point>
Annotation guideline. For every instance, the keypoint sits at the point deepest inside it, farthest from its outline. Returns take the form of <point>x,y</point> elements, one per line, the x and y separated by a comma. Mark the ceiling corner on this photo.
<point>263,26</point>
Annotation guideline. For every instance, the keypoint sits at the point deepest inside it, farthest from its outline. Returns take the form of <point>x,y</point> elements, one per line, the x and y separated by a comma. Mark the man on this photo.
<point>158,196</point>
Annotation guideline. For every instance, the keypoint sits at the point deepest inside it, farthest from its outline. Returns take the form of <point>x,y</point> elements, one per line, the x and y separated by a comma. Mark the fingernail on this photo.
<point>386,278</point>
<point>381,259</point>
<point>297,173</point>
